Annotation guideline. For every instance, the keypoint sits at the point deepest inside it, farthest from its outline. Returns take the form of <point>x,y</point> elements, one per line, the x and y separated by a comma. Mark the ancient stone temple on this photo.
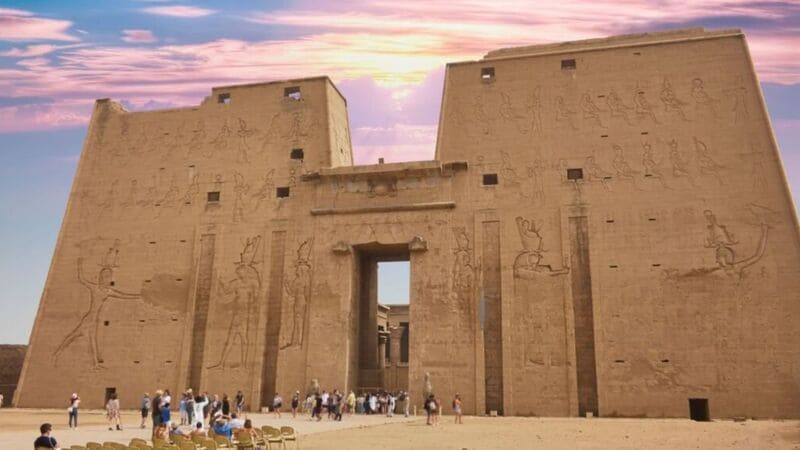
<point>606,227</point>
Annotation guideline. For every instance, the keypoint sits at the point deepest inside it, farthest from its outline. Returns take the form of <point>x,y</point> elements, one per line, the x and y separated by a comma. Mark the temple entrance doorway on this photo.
<point>383,326</point>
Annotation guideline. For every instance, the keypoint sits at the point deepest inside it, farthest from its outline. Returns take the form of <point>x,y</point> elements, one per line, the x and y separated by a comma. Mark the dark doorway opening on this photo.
<point>109,392</point>
<point>698,409</point>
<point>380,329</point>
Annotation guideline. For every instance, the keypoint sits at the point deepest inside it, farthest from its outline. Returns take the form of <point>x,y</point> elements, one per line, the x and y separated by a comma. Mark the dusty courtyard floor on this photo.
<point>18,429</point>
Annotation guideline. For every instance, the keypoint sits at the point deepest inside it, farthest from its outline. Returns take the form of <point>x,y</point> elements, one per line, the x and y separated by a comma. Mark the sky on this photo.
<point>387,57</point>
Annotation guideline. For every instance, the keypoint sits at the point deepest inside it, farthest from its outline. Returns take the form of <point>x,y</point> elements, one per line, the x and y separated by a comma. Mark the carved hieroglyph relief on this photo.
<point>623,169</point>
<point>265,190</point>
<point>464,273</point>
<point>564,114</point>
<point>672,104</point>
<point>738,96</point>
<point>644,110</point>
<point>652,167</point>
<point>243,133</point>
<point>702,100</point>
<point>595,173</point>
<point>240,188</point>
<point>591,112</point>
<point>533,105</point>
<point>239,298</point>
<point>723,242</point>
<point>528,263</point>
<point>219,144</point>
<point>680,164</point>
<point>618,108</point>
<point>705,163</point>
<point>298,296</point>
<point>510,114</point>
<point>100,290</point>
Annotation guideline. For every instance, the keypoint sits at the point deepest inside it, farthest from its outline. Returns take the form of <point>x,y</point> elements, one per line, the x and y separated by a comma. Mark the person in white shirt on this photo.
<point>390,406</point>
<point>373,403</point>
<point>199,404</point>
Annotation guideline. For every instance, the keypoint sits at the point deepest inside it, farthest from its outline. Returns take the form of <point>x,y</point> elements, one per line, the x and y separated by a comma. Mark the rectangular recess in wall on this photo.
<point>202,300</point>
<point>487,74</point>
<point>273,310</point>
<point>493,324</point>
<point>581,279</point>
<point>293,93</point>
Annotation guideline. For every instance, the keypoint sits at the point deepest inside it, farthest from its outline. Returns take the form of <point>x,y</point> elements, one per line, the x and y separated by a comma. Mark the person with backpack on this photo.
<point>432,410</point>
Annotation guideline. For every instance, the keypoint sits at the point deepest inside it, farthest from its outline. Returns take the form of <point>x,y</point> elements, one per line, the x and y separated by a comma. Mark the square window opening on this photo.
<point>487,74</point>
<point>282,192</point>
<point>574,174</point>
<point>225,99</point>
<point>490,179</point>
<point>297,153</point>
<point>213,197</point>
<point>293,93</point>
<point>568,64</point>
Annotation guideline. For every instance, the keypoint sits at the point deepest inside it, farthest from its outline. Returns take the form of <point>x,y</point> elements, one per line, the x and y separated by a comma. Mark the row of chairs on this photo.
<point>267,436</point>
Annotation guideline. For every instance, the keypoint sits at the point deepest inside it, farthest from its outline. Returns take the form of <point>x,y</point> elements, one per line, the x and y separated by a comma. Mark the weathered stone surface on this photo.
<point>11,359</point>
<point>606,228</point>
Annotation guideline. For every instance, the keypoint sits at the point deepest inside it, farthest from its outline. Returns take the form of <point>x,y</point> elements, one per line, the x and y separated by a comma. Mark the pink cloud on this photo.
<point>390,65</point>
<point>19,25</point>
<point>469,28</point>
<point>63,114</point>
<point>178,11</point>
<point>138,36</point>
<point>30,51</point>
<point>396,143</point>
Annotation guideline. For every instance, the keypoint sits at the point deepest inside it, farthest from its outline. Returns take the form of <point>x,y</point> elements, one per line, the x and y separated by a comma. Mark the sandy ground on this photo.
<point>18,429</point>
<point>566,433</point>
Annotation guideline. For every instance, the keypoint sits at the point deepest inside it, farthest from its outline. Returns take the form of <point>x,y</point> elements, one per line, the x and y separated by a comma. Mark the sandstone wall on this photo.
<point>669,270</point>
<point>11,359</point>
<point>607,228</point>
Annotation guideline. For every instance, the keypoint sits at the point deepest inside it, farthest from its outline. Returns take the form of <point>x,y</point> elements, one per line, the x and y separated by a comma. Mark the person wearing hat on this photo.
<point>45,440</point>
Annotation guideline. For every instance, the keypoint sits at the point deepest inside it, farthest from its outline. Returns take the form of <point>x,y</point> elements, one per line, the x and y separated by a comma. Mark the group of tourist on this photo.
<point>224,415</point>
<point>198,409</point>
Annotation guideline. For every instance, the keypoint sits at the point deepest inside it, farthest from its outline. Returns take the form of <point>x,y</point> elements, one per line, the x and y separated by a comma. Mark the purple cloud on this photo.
<point>138,36</point>
<point>19,25</point>
<point>179,11</point>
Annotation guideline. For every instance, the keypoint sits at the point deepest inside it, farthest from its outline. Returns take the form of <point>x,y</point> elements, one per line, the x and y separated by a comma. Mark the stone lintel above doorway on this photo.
<point>383,208</point>
<point>399,170</point>
<point>416,244</point>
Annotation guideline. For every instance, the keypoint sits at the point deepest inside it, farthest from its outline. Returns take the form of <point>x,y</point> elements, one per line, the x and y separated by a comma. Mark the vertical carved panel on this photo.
<point>274,298</point>
<point>202,299</point>
<point>584,316</point>
<point>493,320</point>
